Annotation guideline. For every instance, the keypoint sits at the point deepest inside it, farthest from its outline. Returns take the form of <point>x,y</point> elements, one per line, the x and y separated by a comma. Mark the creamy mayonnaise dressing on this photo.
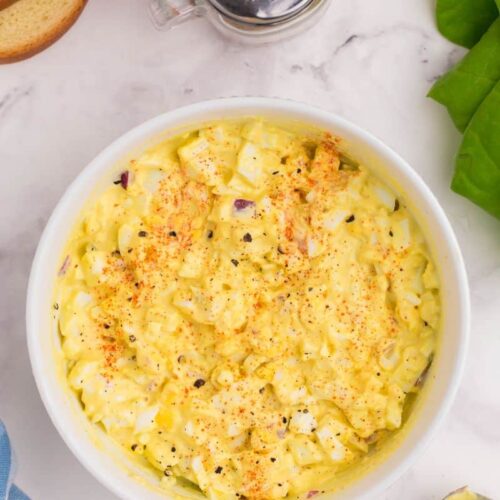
<point>247,309</point>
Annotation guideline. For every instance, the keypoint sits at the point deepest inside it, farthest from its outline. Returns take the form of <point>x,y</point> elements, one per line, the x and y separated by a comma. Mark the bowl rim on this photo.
<point>168,120</point>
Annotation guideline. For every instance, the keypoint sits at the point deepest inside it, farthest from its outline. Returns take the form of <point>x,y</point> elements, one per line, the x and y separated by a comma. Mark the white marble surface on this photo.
<point>369,61</point>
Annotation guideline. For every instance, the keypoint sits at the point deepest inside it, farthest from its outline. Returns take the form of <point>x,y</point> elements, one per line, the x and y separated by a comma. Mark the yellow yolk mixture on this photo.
<point>247,309</point>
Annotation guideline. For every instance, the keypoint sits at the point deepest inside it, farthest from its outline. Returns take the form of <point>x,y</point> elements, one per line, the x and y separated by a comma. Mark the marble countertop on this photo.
<point>369,61</point>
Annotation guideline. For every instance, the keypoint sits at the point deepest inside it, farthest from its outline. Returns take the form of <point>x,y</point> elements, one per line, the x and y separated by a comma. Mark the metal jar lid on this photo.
<point>261,12</point>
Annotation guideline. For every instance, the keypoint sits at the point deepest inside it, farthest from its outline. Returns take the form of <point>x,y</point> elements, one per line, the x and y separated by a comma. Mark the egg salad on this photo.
<point>247,309</point>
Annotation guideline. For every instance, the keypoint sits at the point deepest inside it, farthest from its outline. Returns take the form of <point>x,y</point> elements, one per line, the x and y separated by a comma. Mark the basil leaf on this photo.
<point>463,88</point>
<point>477,172</point>
<point>464,21</point>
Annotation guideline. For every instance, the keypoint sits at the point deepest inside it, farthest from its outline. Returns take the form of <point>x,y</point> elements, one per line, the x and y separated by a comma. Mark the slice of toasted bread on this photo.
<point>28,26</point>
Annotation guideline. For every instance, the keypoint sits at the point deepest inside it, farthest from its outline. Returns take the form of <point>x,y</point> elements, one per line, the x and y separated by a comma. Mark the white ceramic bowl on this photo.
<point>92,447</point>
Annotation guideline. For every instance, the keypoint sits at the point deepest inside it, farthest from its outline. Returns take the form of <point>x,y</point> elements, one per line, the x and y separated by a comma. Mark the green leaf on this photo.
<point>477,172</point>
<point>463,88</point>
<point>464,21</point>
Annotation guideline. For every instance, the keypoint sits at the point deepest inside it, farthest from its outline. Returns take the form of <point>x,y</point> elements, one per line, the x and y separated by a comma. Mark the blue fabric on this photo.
<point>16,494</point>
<point>8,490</point>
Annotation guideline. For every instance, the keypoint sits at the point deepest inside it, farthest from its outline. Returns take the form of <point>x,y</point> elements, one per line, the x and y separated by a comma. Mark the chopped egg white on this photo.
<point>241,311</point>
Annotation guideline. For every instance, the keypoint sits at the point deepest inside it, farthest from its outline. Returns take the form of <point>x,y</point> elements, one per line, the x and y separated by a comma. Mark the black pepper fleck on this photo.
<point>235,262</point>
<point>133,447</point>
<point>173,234</point>
<point>350,219</point>
<point>142,234</point>
<point>210,234</point>
<point>218,470</point>
<point>132,338</point>
<point>396,205</point>
<point>273,459</point>
<point>199,383</point>
<point>247,237</point>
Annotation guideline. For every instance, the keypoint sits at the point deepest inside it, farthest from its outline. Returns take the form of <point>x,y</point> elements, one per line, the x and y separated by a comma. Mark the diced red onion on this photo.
<point>124,179</point>
<point>65,266</point>
<point>312,493</point>
<point>241,204</point>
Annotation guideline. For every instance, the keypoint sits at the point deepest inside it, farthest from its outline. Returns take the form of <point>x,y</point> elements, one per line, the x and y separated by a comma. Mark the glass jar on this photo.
<point>250,21</point>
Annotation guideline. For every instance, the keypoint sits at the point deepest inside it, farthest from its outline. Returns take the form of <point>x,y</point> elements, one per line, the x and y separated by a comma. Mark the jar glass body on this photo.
<point>167,14</point>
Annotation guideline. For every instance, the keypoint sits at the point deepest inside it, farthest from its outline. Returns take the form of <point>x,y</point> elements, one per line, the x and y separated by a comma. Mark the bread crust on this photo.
<point>6,3</point>
<point>45,40</point>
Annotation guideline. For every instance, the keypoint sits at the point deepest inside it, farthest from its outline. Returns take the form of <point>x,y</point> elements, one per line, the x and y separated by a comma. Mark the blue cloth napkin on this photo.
<point>8,490</point>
